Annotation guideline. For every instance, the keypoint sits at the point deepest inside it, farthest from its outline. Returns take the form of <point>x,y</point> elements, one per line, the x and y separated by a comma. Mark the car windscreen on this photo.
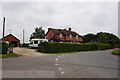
<point>31,42</point>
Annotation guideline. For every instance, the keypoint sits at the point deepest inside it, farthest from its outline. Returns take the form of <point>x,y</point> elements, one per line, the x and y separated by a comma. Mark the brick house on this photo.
<point>11,38</point>
<point>63,35</point>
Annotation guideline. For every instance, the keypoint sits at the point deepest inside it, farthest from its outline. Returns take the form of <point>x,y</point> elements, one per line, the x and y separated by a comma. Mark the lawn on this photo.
<point>9,55</point>
<point>117,52</point>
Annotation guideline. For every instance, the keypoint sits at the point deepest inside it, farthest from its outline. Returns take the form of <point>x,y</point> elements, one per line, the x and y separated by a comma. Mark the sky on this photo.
<point>82,17</point>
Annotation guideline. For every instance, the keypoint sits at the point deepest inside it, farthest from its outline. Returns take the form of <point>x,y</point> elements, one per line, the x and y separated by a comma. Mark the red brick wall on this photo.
<point>63,37</point>
<point>48,35</point>
<point>74,38</point>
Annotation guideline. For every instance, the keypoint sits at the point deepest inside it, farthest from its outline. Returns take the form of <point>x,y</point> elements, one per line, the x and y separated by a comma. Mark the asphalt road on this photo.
<point>93,64</point>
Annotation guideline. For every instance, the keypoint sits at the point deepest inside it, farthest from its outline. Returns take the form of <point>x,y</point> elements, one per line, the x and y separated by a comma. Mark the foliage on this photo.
<point>25,45</point>
<point>55,47</point>
<point>102,37</point>
<point>107,38</point>
<point>39,33</point>
<point>89,38</point>
<point>117,52</point>
<point>9,55</point>
<point>3,47</point>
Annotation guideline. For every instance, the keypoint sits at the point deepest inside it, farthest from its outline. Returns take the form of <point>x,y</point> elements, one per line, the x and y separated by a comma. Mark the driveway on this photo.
<point>27,52</point>
<point>93,64</point>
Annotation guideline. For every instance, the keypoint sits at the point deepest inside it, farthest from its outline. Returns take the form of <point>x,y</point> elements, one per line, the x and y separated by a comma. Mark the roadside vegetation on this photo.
<point>25,45</point>
<point>4,52</point>
<point>116,52</point>
<point>9,55</point>
<point>102,37</point>
<point>55,47</point>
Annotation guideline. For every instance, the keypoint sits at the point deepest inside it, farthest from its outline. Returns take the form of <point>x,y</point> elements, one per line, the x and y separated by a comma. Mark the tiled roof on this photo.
<point>64,31</point>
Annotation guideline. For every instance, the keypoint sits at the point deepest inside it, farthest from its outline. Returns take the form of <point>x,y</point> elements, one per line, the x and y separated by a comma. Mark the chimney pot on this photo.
<point>49,29</point>
<point>69,29</point>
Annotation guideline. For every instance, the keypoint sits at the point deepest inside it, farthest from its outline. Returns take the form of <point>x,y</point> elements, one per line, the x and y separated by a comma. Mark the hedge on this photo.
<point>3,47</point>
<point>56,47</point>
<point>25,45</point>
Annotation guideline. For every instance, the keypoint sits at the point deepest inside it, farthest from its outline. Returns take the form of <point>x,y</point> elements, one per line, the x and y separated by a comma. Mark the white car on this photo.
<point>34,42</point>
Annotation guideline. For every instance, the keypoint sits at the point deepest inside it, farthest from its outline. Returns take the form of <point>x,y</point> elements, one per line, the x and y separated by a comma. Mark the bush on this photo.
<point>55,47</point>
<point>3,47</point>
<point>25,45</point>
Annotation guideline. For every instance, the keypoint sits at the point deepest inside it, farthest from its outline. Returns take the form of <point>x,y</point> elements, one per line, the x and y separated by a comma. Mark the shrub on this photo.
<point>56,47</point>
<point>25,45</point>
<point>3,47</point>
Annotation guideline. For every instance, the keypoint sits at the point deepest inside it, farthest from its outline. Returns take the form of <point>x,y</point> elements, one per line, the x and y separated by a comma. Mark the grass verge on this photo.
<point>9,55</point>
<point>116,52</point>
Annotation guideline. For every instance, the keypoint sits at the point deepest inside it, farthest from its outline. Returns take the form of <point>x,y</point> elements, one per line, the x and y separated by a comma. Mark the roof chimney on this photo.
<point>69,29</point>
<point>49,29</point>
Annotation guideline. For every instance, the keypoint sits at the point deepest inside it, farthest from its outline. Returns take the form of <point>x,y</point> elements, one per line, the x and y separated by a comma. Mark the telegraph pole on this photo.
<point>23,35</point>
<point>3,27</point>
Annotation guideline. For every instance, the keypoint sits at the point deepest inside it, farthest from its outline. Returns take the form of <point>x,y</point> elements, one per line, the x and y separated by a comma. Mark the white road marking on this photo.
<point>56,64</point>
<point>62,72</point>
<point>56,59</point>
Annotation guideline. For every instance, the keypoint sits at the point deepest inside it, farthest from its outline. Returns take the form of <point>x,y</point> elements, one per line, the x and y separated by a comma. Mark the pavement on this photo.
<point>92,64</point>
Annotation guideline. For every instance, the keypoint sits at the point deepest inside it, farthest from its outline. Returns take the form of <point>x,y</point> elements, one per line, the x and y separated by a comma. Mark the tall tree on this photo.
<point>102,37</point>
<point>88,38</point>
<point>108,38</point>
<point>39,33</point>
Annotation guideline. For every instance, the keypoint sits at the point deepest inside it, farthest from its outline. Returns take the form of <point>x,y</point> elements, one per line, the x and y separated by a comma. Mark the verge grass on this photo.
<point>9,55</point>
<point>116,52</point>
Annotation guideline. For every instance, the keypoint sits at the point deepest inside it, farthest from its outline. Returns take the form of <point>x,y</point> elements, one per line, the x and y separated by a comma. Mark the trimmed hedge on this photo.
<point>56,47</point>
<point>3,47</point>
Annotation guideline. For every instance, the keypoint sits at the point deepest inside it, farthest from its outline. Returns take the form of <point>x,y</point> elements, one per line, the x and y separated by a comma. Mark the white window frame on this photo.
<point>60,35</point>
<point>70,36</point>
<point>76,36</point>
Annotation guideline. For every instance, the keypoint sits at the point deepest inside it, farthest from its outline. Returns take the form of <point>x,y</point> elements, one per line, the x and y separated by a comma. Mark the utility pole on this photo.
<point>23,35</point>
<point>3,27</point>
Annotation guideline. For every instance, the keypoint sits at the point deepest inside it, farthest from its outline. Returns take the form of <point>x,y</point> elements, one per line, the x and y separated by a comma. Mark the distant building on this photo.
<point>63,35</point>
<point>11,38</point>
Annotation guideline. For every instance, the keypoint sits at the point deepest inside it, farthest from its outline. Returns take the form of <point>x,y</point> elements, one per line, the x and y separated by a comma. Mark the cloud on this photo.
<point>82,17</point>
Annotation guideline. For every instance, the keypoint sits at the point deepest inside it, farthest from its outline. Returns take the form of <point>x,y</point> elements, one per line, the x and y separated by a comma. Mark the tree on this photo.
<point>102,37</point>
<point>107,38</point>
<point>89,38</point>
<point>39,33</point>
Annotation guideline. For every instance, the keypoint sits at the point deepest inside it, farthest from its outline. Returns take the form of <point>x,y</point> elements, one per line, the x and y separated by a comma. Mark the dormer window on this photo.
<point>60,35</point>
<point>70,36</point>
<point>76,36</point>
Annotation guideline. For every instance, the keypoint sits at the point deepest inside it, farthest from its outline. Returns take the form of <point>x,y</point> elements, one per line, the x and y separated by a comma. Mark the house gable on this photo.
<point>10,37</point>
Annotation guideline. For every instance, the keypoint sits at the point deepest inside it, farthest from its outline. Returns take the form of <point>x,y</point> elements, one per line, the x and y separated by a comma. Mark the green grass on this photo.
<point>61,53</point>
<point>117,52</point>
<point>9,55</point>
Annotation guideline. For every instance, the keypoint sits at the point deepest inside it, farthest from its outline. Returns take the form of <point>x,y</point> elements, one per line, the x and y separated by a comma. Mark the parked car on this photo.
<point>34,42</point>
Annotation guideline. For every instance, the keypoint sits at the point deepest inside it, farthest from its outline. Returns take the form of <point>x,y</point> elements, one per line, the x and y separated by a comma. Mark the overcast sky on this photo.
<point>82,17</point>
